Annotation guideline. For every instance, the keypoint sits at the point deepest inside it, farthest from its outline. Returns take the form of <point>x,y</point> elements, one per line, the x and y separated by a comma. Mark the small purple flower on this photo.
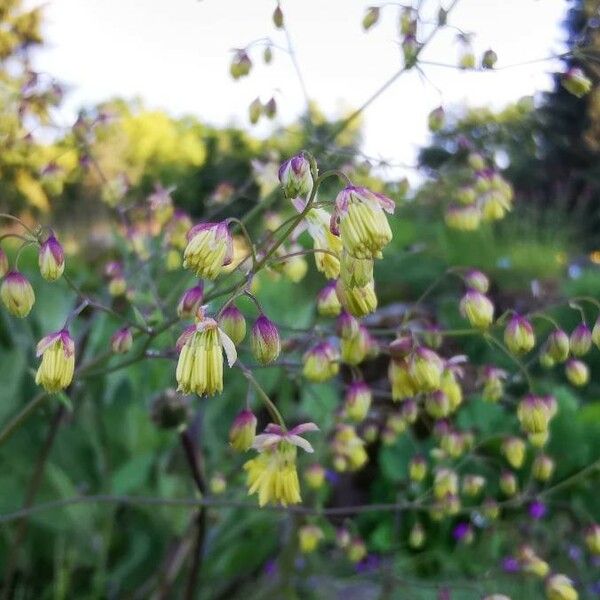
<point>537,510</point>
<point>461,531</point>
<point>332,477</point>
<point>510,564</point>
<point>270,568</point>
<point>574,553</point>
<point>369,564</point>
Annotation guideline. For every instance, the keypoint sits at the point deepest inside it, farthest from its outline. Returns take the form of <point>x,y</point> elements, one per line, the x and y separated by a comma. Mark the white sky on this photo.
<point>175,54</point>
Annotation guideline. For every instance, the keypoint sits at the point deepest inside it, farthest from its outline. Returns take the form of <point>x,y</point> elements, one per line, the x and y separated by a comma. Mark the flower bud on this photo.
<point>358,301</point>
<point>410,50</point>
<point>217,484</point>
<point>445,483</point>
<point>436,119</point>
<point>270,108</point>
<point>437,405</point>
<point>543,467</point>
<point>450,386</point>
<point>592,539</point>
<point>354,349</point>
<point>473,485</point>
<point>467,196</point>
<point>508,484</point>
<point>342,537</point>
<point>3,263</point>
<point>417,468</point>
<point>416,538</point>
<point>452,443</point>
<point>493,386</point>
<point>371,17</point>
<point>243,431</point>
<point>490,509</point>
<point>476,161</point>
<point>295,177</point>
<point>209,249</point>
<point>322,362</point>
<point>409,411</point>
<point>169,410</point>
<point>580,341</point>
<point>190,302</point>
<point>265,342</point>
<point>255,110</point>
<point>402,346</point>
<point>595,332</point>
<point>531,563</point>
<point>476,280</point>
<point>173,259</point>
<point>328,304</point>
<point>278,17</point>
<point>577,372</point>
<point>121,341</point>
<point>240,64</point>
<point>55,372</point>
<point>463,218</point>
<point>51,259</point>
<point>489,59</point>
<point>117,286</point>
<point>17,294</point>
<point>478,309</point>
<point>267,55</point>
<point>356,550</point>
<point>401,381</point>
<point>314,475</point>
<point>233,323</point>
<point>425,369</point>
<point>560,587</point>
<point>518,335</point>
<point>309,537</point>
<point>358,401</point>
<point>513,449</point>
<point>463,533</point>
<point>355,272</point>
<point>576,82</point>
<point>534,414</point>
<point>558,345</point>
<point>466,60</point>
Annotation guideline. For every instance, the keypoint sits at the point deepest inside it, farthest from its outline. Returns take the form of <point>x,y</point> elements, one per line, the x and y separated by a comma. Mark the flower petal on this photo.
<point>300,442</point>
<point>303,428</point>
<point>265,440</point>
<point>228,347</point>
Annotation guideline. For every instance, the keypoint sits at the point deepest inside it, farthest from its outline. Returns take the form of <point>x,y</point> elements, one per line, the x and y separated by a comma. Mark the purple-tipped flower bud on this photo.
<point>437,405</point>
<point>534,413</point>
<point>409,411</point>
<point>328,304</point>
<point>425,369</point>
<point>191,301</point>
<point>51,259</point>
<point>467,196</point>
<point>580,341</point>
<point>356,550</point>
<point>347,326</point>
<point>314,475</point>
<point>518,335</point>
<point>121,341</point>
<point>592,539</point>
<point>463,218</point>
<point>278,17</point>
<point>543,467</point>
<point>322,362</point>
<point>309,537</point>
<point>358,401</point>
<point>371,17</point>
<point>240,64</point>
<point>478,309</point>
<point>472,485</point>
<point>489,59</point>
<point>295,177</point>
<point>255,110</point>
<point>577,372</point>
<point>417,468</point>
<point>508,484</point>
<point>576,82</point>
<point>595,332</point>
<point>265,340</point>
<point>233,323</point>
<point>402,346</point>
<point>3,263</point>
<point>243,431</point>
<point>57,350</point>
<point>17,294</point>
<point>558,345</point>
<point>217,484</point>
<point>476,280</point>
<point>270,108</point>
<point>436,119</point>
<point>513,449</point>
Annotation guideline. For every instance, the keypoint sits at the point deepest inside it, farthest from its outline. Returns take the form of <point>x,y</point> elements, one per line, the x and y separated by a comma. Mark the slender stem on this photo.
<point>248,238</point>
<point>505,350</point>
<point>13,218</point>
<point>22,416</point>
<point>273,411</point>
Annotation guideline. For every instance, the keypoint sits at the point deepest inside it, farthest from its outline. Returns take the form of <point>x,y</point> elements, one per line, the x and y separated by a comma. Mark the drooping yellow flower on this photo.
<point>200,365</point>
<point>209,249</point>
<point>360,218</point>
<point>55,372</point>
<point>272,474</point>
<point>327,245</point>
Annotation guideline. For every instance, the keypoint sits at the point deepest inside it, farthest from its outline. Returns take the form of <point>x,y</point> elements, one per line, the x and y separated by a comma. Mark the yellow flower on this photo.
<point>322,362</point>
<point>273,472</point>
<point>309,537</point>
<point>209,249</point>
<point>17,294</point>
<point>363,226</point>
<point>560,587</point>
<point>348,449</point>
<point>55,372</point>
<point>358,301</point>
<point>200,365</point>
<point>328,262</point>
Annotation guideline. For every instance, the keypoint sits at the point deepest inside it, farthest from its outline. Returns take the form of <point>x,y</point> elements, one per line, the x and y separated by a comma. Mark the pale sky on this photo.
<point>175,54</point>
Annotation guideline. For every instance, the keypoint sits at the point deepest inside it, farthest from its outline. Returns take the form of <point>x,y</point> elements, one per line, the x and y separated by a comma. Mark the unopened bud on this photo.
<point>328,304</point>
<point>576,82</point>
<point>217,484</point>
<point>321,362</point>
<point>309,537</point>
<point>518,335</point>
<point>295,177</point>
<point>371,17</point>
<point>436,119</point>
<point>17,294</point>
<point>190,302</point>
<point>416,539</point>
<point>358,401</point>
<point>580,341</point>
<point>121,341</point>
<point>560,587</point>
<point>356,550</point>
<point>265,342</point>
<point>233,323</point>
<point>270,108</point>
<point>243,431</point>
<point>314,475</point>
<point>255,110</point>
<point>463,218</point>
<point>417,468</point>
<point>489,59</point>
<point>278,17</point>
<point>508,484</point>
<point>51,259</point>
<point>513,449</point>
<point>592,539</point>
<point>425,369</point>
<point>478,309</point>
<point>473,485</point>
<point>577,372</point>
<point>543,467</point>
<point>558,345</point>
